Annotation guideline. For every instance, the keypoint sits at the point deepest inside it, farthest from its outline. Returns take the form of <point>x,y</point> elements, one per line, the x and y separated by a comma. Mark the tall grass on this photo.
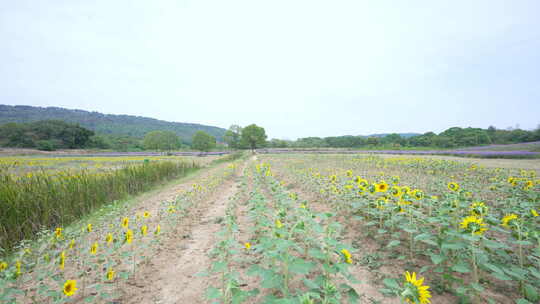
<point>43,201</point>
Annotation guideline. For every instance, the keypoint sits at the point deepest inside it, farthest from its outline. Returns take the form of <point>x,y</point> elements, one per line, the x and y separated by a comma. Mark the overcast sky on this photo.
<point>297,68</point>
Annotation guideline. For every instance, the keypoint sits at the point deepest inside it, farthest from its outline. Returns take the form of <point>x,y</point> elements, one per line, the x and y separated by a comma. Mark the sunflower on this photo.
<point>509,219</point>
<point>125,222</point>
<point>453,186</point>
<point>347,256</point>
<point>247,245</point>
<point>279,224</point>
<point>414,291</point>
<point>58,232</point>
<point>478,209</point>
<point>528,185</point>
<point>395,191</point>
<point>333,178</point>
<point>71,244</point>
<point>144,229</point>
<point>534,213</point>
<point>110,274</point>
<point>417,194</point>
<point>94,248</point>
<point>349,173</point>
<point>146,214</point>
<point>405,190</point>
<point>109,238</point>
<point>381,187</point>
<point>129,236</point>
<point>395,179</point>
<point>3,266</point>
<point>89,227</point>
<point>362,182</point>
<point>473,224</point>
<point>62,260</point>
<point>18,265</point>
<point>70,286</point>
<point>158,229</point>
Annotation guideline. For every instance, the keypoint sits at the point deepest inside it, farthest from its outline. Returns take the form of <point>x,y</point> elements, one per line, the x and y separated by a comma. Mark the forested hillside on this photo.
<point>134,126</point>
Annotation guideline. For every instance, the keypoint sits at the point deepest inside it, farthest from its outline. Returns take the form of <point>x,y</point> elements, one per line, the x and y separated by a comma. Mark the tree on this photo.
<point>253,137</point>
<point>232,136</point>
<point>203,141</point>
<point>161,140</point>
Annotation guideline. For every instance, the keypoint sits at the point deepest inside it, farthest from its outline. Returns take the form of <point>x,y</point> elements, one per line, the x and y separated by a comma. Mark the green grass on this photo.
<point>43,201</point>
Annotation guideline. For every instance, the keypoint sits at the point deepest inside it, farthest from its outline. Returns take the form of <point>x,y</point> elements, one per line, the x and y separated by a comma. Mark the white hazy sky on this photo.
<point>297,68</point>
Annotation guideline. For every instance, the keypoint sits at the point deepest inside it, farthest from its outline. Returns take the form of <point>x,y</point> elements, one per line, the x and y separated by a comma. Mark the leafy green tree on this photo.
<point>46,134</point>
<point>203,141</point>
<point>253,137</point>
<point>232,136</point>
<point>161,140</point>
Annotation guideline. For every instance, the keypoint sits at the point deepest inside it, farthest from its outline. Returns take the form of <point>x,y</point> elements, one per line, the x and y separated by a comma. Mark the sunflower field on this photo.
<point>454,231</point>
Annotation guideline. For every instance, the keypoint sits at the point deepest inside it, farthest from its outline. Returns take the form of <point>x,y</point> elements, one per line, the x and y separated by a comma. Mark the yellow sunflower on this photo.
<point>94,248</point>
<point>110,274</point>
<point>473,224</point>
<point>3,266</point>
<point>381,187</point>
<point>534,213</point>
<point>508,219</point>
<point>395,191</point>
<point>453,186</point>
<point>146,214</point>
<point>247,245</point>
<point>478,208</point>
<point>58,232</point>
<point>62,260</point>
<point>414,290</point>
<point>362,182</point>
<point>125,222</point>
<point>144,229</point>
<point>129,236</point>
<point>347,255</point>
<point>109,238</point>
<point>417,194</point>
<point>70,286</point>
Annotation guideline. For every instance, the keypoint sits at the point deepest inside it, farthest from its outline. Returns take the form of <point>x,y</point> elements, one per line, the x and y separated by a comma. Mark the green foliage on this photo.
<point>232,136</point>
<point>451,138</point>
<point>48,201</point>
<point>45,135</point>
<point>253,137</point>
<point>203,141</point>
<point>161,140</point>
<point>124,125</point>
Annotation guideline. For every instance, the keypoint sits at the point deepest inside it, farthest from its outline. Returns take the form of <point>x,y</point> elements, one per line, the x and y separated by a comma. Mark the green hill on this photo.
<point>135,126</point>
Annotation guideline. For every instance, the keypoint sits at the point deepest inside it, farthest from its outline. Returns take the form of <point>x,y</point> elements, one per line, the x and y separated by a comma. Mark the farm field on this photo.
<point>300,228</point>
<point>53,164</point>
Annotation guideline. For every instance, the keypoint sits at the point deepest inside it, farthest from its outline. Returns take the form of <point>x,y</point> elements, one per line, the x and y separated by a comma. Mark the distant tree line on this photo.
<point>450,138</point>
<point>56,134</point>
<point>45,135</point>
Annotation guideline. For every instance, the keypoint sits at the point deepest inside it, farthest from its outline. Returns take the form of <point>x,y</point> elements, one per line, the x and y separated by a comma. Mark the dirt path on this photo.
<point>170,276</point>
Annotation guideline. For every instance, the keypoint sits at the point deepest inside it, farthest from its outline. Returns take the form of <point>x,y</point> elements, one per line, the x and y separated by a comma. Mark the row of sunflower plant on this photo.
<point>87,262</point>
<point>300,253</point>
